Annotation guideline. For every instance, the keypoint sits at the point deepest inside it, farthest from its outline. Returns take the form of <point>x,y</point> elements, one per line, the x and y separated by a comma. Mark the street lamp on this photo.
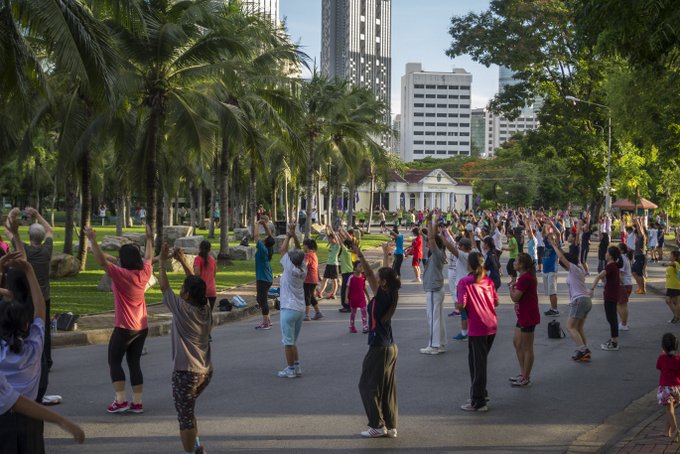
<point>608,181</point>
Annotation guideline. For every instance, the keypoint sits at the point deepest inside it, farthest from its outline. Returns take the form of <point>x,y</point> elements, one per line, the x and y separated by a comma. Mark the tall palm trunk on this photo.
<point>236,191</point>
<point>224,197</point>
<point>70,214</point>
<point>151,150</point>
<point>337,196</point>
<point>213,199</point>
<point>286,207</point>
<point>311,165</point>
<point>370,200</point>
<point>252,199</point>
<point>352,189</point>
<point>120,212</point>
<point>85,206</point>
<point>193,197</point>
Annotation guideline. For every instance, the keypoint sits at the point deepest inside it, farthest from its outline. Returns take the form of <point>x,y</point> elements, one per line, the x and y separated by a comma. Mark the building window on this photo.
<point>417,142</point>
<point>464,87</point>
<point>430,87</point>
<point>429,151</point>
<point>464,115</point>
<point>441,124</point>
<point>453,106</point>
<point>465,125</point>
<point>453,115</point>
<point>419,95</point>
<point>453,134</point>
<point>417,151</point>
<point>453,96</point>
<point>464,96</point>
<point>441,115</point>
<point>441,151</point>
<point>417,133</point>
<point>418,104</point>
<point>429,123</point>
<point>441,142</point>
<point>418,114</point>
<point>453,125</point>
<point>453,142</point>
<point>441,96</point>
<point>465,134</point>
<point>465,106</point>
<point>417,123</point>
<point>362,37</point>
<point>452,152</point>
<point>453,87</point>
<point>429,133</point>
<point>419,86</point>
<point>412,196</point>
<point>441,106</point>
<point>429,115</point>
<point>441,133</point>
<point>465,143</point>
<point>429,142</point>
<point>429,105</point>
<point>430,96</point>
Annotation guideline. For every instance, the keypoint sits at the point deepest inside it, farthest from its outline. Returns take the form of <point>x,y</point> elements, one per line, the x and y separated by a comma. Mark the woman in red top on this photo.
<point>477,295</point>
<point>612,293</point>
<point>205,266</point>
<point>524,294</point>
<point>356,297</point>
<point>416,252</point>
<point>129,282</point>
<point>311,280</point>
<point>669,382</point>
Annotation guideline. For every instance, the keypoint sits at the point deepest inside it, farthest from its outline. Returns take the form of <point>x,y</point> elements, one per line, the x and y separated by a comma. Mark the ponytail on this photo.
<point>14,324</point>
<point>476,264</point>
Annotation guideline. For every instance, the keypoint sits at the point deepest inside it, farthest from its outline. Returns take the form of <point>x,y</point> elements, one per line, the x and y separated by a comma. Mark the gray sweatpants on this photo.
<point>378,386</point>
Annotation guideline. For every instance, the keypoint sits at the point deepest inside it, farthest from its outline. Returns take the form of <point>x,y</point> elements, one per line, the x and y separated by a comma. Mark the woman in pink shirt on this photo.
<point>477,295</point>
<point>129,282</point>
<point>205,266</point>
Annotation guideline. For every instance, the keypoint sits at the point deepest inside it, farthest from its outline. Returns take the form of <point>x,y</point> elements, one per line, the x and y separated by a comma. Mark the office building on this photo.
<point>477,131</point>
<point>435,113</point>
<point>268,8</point>
<point>396,139</point>
<point>356,44</point>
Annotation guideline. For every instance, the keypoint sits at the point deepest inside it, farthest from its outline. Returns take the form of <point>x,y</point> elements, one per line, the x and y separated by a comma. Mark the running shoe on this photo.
<point>200,450</point>
<point>288,372</point>
<point>136,408</point>
<point>374,433</point>
<point>430,351</point>
<point>330,297</point>
<point>517,377</point>
<point>365,330</point>
<point>306,318</point>
<point>264,325</point>
<point>118,407</point>
<point>455,313</point>
<point>49,400</point>
<point>673,320</point>
<point>610,346</point>
<point>552,313</point>
<point>317,316</point>
<point>640,292</point>
<point>469,407</point>
<point>344,310</point>
<point>521,383</point>
<point>460,337</point>
<point>391,433</point>
<point>298,371</point>
<point>581,355</point>
<point>623,327</point>
<point>352,329</point>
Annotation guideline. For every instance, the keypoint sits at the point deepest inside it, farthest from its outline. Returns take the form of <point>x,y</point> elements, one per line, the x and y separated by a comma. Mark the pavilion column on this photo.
<point>422,201</point>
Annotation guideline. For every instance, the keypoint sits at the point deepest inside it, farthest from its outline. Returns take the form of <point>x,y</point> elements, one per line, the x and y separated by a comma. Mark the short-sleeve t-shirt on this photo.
<point>128,295</point>
<point>207,274</point>
<point>549,259</point>
<point>526,308</point>
<point>626,271</point>
<point>263,267</point>
<point>399,245</point>
<point>612,283</point>
<point>190,334</point>
<point>345,260</point>
<point>417,248</point>
<point>356,290</point>
<point>670,370</point>
<point>8,395</point>
<point>433,278</point>
<point>531,249</point>
<point>292,291</point>
<point>312,262</point>
<point>478,299</point>
<point>22,370</point>
<point>40,257</point>
<point>333,252</point>
<point>672,280</point>
<point>380,329</point>
<point>576,281</point>
<point>513,248</point>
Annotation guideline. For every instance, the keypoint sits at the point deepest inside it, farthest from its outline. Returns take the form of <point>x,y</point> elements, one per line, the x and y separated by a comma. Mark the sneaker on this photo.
<point>610,346</point>
<point>352,329</point>
<point>430,351</point>
<point>49,400</point>
<point>264,325</point>
<point>517,377</point>
<point>288,372</point>
<point>460,337</point>
<point>391,433</point>
<point>455,313</point>
<point>640,292</point>
<point>298,371</point>
<point>365,330</point>
<point>344,310</point>
<point>118,407</point>
<point>374,433</point>
<point>581,355</point>
<point>145,351</point>
<point>200,450</point>
<point>552,312</point>
<point>521,383</point>
<point>673,320</point>
<point>623,327</point>
<point>136,408</point>
<point>306,318</point>
<point>469,407</point>
<point>317,316</point>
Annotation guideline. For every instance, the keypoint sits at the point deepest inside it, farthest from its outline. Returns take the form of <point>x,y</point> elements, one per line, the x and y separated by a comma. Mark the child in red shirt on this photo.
<point>356,297</point>
<point>669,382</point>
<point>416,251</point>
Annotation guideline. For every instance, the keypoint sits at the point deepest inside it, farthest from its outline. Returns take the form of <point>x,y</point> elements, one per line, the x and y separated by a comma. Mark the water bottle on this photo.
<point>53,324</point>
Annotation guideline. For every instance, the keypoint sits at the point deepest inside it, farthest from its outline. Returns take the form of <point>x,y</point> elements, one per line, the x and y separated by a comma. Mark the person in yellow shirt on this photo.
<point>673,286</point>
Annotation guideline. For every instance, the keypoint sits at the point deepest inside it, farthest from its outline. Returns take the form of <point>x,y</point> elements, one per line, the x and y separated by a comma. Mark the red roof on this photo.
<point>643,203</point>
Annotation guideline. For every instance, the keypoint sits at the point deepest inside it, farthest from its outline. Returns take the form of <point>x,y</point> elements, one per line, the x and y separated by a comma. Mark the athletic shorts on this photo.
<point>639,265</point>
<point>624,293</point>
<point>415,261</point>
<point>525,329</point>
<point>580,307</point>
<point>672,292</point>
<point>550,284</point>
<point>331,272</point>
<point>540,250</point>
<point>668,394</point>
<point>291,322</point>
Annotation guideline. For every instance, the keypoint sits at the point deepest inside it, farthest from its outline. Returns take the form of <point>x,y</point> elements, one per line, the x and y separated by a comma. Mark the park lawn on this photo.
<point>79,294</point>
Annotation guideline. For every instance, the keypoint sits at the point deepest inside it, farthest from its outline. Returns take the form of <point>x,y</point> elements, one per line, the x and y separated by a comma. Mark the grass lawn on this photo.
<point>79,294</point>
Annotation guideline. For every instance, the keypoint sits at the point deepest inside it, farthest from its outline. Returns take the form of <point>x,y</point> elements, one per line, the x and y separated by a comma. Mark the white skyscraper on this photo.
<point>356,44</point>
<point>435,113</point>
<point>268,8</point>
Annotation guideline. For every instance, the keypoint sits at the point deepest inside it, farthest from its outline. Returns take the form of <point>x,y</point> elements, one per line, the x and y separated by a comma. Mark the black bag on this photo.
<point>225,305</point>
<point>277,304</point>
<point>555,331</point>
<point>66,322</point>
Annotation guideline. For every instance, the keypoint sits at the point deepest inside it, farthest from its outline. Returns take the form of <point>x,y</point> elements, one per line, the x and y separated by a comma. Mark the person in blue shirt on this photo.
<point>263,270</point>
<point>550,272</point>
<point>398,250</point>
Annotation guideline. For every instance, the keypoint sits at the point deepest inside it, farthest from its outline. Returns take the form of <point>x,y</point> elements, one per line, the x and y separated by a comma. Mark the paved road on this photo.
<point>247,408</point>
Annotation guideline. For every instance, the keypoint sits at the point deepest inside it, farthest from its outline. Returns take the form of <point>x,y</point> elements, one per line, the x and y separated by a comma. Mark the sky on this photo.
<point>419,34</point>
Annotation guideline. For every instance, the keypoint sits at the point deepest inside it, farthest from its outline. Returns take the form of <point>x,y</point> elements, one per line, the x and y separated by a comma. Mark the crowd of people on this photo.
<point>468,245</point>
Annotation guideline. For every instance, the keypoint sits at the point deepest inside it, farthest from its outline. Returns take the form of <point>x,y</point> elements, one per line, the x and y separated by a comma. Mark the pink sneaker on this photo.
<point>352,329</point>
<point>118,407</point>
<point>136,408</point>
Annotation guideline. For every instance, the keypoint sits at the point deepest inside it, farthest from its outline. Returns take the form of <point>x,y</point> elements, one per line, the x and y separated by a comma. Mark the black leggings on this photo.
<point>310,297</point>
<point>21,434</point>
<point>396,266</point>
<point>262,289</point>
<point>612,319</point>
<point>130,344</point>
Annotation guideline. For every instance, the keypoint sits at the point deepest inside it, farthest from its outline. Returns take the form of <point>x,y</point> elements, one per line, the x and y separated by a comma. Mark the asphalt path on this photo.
<point>247,408</point>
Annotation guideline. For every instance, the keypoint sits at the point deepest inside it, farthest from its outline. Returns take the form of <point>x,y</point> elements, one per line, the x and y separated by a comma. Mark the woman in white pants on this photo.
<point>433,284</point>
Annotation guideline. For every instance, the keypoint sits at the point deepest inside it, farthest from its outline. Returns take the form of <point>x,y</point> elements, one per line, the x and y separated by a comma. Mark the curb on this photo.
<point>101,336</point>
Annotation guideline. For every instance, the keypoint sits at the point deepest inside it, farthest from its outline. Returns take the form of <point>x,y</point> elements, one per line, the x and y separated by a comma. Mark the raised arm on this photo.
<point>558,250</point>
<point>290,234</point>
<point>162,274</point>
<point>449,242</point>
<point>36,294</point>
<point>32,212</point>
<point>148,251</point>
<point>178,254</point>
<point>432,234</point>
<point>12,227</point>
<point>99,256</point>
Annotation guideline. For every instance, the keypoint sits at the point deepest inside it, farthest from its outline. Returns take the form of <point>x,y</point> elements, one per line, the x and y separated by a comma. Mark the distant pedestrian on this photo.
<point>626,286</point>
<point>205,266</point>
<point>673,286</point>
<point>312,279</point>
<point>668,393</point>
<point>378,382</point>
<point>398,249</point>
<point>433,284</point>
<point>264,276</point>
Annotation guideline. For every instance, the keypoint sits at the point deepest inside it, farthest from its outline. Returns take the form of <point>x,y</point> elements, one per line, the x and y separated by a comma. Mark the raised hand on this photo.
<point>7,258</point>
<point>165,252</point>
<point>149,231</point>
<point>90,233</point>
<point>32,212</point>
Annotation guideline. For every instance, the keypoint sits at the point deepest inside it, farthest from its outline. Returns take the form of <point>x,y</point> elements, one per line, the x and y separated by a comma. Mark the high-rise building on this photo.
<point>477,131</point>
<point>268,8</point>
<point>435,113</point>
<point>356,44</point>
<point>498,128</point>
<point>396,139</point>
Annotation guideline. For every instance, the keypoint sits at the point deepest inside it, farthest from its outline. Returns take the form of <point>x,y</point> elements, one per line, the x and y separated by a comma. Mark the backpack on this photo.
<point>555,331</point>
<point>225,305</point>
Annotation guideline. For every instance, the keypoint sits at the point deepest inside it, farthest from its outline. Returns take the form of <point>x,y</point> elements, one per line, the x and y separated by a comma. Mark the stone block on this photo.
<point>242,252</point>
<point>138,238</point>
<point>281,238</point>
<point>318,228</point>
<point>114,243</point>
<point>63,265</point>
<point>240,233</point>
<point>171,233</point>
<point>189,242</point>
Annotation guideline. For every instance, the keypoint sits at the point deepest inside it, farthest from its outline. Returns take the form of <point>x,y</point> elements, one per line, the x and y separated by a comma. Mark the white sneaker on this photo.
<point>623,327</point>
<point>374,433</point>
<point>298,371</point>
<point>391,433</point>
<point>288,372</point>
<point>430,351</point>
